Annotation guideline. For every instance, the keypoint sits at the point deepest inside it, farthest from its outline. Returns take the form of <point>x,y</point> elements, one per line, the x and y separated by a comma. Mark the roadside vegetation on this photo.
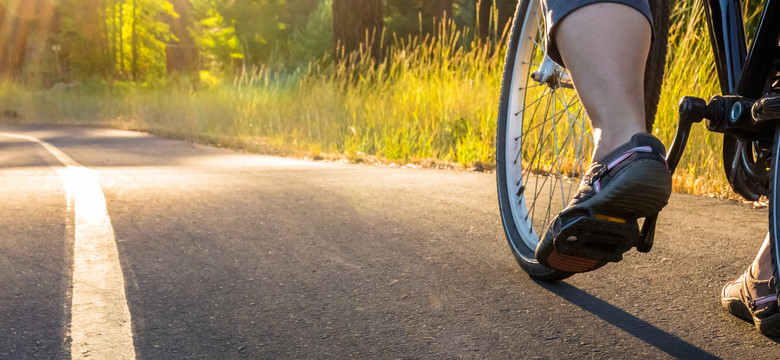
<point>431,99</point>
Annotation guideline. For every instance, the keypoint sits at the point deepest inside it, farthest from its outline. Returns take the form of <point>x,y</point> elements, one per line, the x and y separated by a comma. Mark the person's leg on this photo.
<point>605,47</point>
<point>752,296</point>
<point>761,268</point>
<point>607,67</point>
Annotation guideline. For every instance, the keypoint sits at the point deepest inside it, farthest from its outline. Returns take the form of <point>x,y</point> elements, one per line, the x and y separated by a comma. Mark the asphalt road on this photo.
<point>226,255</point>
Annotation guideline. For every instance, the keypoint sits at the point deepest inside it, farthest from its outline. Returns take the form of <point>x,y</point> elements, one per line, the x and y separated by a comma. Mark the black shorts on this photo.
<point>556,10</point>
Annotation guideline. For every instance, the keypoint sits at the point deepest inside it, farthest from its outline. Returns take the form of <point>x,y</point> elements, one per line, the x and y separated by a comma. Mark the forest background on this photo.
<point>391,81</point>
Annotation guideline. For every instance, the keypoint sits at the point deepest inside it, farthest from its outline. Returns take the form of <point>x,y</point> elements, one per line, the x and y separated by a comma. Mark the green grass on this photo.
<point>429,100</point>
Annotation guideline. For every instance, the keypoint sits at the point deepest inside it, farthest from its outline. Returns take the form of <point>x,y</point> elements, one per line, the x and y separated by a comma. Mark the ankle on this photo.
<point>759,288</point>
<point>753,273</point>
<point>759,271</point>
<point>608,143</point>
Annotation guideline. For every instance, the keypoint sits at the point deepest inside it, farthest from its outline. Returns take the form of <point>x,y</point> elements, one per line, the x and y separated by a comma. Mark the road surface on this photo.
<point>123,245</point>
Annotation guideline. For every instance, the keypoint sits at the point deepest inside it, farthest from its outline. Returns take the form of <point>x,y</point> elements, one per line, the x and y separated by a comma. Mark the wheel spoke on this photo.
<point>539,46</point>
<point>536,126</point>
<point>557,160</point>
<point>535,160</point>
<point>553,166</point>
<point>531,87</point>
<point>541,33</point>
<point>530,168</point>
<point>531,104</point>
<point>522,133</point>
<point>579,145</point>
<point>546,178</point>
<point>582,127</point>
<point>539,144</point>
<point>525,133</point>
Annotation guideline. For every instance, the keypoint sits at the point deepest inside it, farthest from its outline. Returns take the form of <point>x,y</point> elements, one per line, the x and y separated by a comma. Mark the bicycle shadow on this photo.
<point>642,330</point>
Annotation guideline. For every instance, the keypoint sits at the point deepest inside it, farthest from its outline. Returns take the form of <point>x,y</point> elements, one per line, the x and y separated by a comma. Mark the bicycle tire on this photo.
<point>774,209</point>
<point>516,152</point>
<point>773,194</point>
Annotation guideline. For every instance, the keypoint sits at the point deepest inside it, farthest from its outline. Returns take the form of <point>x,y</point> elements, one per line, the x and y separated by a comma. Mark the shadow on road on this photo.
<point>639,328</point>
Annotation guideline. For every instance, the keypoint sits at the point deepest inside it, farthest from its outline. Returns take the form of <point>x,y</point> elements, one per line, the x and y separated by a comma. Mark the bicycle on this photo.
<point>539,157</point>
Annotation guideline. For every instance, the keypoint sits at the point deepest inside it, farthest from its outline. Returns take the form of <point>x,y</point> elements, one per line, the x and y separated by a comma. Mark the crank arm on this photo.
<point>691,110</point>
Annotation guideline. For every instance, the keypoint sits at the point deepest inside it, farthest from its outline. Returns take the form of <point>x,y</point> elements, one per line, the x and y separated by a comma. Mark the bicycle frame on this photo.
<point>737,69</point>
<point>727,34</point>
<point>738,72</point>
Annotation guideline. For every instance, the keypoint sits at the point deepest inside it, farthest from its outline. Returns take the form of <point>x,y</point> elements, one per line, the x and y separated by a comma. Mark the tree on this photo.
<point>262,29</point>
<point>182,52</point>
<point>124,39</point>
<point>415,18</point>
<point>13,43</point>
<point>484,8</point>
<point>493,16</point>
<point>82,26</point>
<point>139,37</point>
<point>357,24</point>
<point>439,9</point>
<point>17,19</point>
<point>506,10</point>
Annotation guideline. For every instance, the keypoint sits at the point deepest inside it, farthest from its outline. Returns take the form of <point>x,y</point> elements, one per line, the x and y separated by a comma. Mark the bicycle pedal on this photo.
<point>601,237</point>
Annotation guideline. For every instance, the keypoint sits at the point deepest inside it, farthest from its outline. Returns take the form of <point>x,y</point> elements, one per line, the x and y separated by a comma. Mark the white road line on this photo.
<point>100,319</point>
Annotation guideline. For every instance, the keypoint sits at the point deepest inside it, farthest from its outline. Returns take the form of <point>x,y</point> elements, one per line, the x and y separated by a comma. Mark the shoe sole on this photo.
<point>607,227</point>
<point>737,308</point>
<point>769,326</point>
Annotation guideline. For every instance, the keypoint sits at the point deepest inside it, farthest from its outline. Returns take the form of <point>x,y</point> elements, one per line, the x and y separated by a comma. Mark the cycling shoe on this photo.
<point>600,222</point>
<point>762,311</point>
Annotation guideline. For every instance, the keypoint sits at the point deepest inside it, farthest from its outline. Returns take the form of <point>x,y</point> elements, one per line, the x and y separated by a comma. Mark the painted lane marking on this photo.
<point>100,318</point>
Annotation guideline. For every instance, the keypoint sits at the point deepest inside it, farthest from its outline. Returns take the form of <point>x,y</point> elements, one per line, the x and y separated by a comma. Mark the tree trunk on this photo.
<point>121,37</point>
<point>54,29</point>
<point>134,65</point>
<point>107,52</point>
<point>14,31</point>
<point>113,48</point>
<point>506,10</point>
<point>493,16</point>
<point>439,9</point>
<point>356,24</point>
<point>19,49</point>
<point>484,8</point>
<point>182,56</point>
<point>6,23</point>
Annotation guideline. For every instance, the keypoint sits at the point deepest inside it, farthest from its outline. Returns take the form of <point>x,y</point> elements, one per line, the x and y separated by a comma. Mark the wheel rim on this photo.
<point>548,139</point>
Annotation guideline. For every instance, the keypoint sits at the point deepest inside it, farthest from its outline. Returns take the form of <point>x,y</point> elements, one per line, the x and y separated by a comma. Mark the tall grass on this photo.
<point>690,70</point>
<point>432,98</point>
